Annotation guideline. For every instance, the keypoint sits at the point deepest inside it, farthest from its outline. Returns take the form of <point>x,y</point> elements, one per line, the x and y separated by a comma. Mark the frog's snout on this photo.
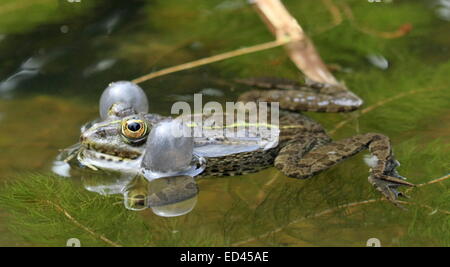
<point>92,134</point>
<point>84,138</point>
<point>87,138</point>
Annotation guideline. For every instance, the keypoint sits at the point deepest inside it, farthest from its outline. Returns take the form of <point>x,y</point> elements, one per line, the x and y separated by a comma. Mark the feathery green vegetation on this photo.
<point>409,102</point>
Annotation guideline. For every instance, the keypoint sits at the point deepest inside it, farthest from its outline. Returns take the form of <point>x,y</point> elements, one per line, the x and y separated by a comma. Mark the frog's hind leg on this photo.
<point>383,175</point>
<point>293,96</point>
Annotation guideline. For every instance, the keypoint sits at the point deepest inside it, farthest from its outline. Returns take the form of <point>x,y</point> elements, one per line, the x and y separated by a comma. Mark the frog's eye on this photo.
<point>134,130</point>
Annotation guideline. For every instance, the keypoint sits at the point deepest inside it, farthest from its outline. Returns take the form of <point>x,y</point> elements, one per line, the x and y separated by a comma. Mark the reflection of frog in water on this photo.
<point>168,197</point>
<point>303,148</point>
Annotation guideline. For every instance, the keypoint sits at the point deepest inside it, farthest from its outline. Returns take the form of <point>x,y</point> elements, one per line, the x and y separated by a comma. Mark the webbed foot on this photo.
<point>388,185</point>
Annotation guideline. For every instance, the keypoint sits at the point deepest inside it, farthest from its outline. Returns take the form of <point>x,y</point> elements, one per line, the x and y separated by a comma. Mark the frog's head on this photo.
<point>122,133</point>
<point>122,136</point>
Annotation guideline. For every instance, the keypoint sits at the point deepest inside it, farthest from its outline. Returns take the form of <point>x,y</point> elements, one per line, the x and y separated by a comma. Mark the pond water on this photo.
<point>58,56</point>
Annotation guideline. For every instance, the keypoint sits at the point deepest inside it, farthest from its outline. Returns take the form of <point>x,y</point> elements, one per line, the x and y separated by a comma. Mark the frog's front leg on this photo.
<point>382,174</point>
<point>309,97</point>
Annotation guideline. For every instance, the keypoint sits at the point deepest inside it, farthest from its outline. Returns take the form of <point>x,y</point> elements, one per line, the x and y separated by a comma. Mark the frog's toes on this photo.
<point>388,185</point>
<point>394,173</point>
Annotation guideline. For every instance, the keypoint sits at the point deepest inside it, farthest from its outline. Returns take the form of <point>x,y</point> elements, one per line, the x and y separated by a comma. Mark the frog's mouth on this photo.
<point>94,154</point>
<point>105,152</point>
<point>95,159</point>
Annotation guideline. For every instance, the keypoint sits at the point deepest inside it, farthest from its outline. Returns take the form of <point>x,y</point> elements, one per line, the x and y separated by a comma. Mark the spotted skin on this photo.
<point>309,162</point>
<point>242,163</point>
<point>304,148</point>
<point>307,150</point>
<point>295,97</point>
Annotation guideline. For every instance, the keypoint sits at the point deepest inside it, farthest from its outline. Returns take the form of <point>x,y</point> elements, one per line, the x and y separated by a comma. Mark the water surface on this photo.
<point>57,57</point>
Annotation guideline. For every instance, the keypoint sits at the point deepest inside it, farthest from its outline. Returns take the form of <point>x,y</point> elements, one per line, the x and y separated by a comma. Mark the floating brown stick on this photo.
<point>301,49</point>
<point>288,32</point>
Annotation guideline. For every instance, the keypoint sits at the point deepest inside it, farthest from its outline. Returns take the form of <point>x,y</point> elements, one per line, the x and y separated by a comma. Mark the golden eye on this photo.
<point>134,129</point>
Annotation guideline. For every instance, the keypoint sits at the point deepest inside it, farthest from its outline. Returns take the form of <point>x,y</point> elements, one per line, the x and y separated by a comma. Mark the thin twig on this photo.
<point>402,30</point>
<point>334,11</point>
<point>78,224</point>
<point>262,192</point>
<point>325,212</point>
<point>212,59</point>
<point>336,15</point>
<point>434,210</point>
<point>438,180</point>
<point>376,105</point>
<point>346,206</point>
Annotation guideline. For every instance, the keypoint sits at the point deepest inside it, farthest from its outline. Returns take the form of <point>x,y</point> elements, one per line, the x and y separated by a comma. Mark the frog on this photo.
<point>303,148</point>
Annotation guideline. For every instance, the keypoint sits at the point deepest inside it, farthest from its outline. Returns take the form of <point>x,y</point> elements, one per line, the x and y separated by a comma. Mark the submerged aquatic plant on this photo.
<point>48,210</point>
<point>409,102</point>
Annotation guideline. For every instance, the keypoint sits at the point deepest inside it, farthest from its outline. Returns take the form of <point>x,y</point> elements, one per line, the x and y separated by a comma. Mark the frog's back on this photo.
<point>292,126</point>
